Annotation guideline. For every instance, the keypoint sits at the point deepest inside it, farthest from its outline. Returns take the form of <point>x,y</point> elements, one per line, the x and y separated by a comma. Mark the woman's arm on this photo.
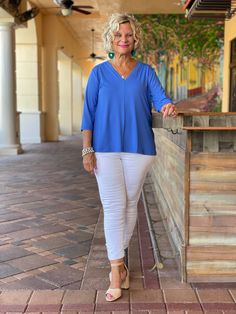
<point>90,103</point>
<point>89,160</point>
<point>159,99</point>
<point>87,138</point>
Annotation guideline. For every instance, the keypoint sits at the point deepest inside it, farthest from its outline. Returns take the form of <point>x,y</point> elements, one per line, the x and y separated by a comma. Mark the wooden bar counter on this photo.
<point>195,183</point>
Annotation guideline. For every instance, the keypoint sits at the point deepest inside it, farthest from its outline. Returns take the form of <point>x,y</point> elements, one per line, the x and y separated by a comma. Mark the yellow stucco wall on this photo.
<point>57,37</point>
<point>37,47</point>
<point>230,33</point>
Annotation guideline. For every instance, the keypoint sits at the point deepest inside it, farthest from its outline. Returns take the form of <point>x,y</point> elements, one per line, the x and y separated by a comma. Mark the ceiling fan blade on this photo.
<point>83,6</point>
<point>94,56</point>
<point>99,58</point>
<point>80,10</point>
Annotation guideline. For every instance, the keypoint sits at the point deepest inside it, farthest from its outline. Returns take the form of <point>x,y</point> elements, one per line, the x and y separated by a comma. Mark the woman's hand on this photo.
<point>89,162</point>
<point>169,110</point>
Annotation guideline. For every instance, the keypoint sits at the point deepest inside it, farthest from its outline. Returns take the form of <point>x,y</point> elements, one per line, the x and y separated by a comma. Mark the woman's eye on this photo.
<point>118,35</point>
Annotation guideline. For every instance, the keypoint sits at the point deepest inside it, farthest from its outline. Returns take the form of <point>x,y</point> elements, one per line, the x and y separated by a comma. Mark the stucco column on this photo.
<point>51,94</point>
<point>9,137</point>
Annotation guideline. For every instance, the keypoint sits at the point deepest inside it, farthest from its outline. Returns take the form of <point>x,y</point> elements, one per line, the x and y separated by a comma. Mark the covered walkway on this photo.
<point>52,252</point>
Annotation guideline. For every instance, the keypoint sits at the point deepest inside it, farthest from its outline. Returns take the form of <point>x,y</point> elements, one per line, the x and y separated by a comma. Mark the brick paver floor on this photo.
<point>52,251</point>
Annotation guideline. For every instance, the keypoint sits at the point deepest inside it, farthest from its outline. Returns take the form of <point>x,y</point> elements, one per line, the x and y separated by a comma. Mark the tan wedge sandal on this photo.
<point>113,294</point>
<point>125,282</point>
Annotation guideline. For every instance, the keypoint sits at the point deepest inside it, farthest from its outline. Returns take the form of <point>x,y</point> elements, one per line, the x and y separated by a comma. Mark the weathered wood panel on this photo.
<point>213,221</point>
<point>195,181</point>
<point>220,161</point>
<point>212,277</point>
<point>212,233</point>
<point>200,121</point>
<point>167,174</point>
<point>174,235</point>
<point>169,170</point>
<point>195,119</point>
<point>211,253</point>
<point>213,141</point>
<point>217,209</point>
<point>215,263</point>
<point>205,186</point>
<point>212,199</point>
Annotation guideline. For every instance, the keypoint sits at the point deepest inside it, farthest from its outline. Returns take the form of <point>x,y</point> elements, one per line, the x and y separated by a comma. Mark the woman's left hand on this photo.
<point>169,110</point>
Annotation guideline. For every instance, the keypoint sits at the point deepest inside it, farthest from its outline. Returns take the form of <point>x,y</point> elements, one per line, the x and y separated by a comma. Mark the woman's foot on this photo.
<point>124,276</point>
<point>114,291</point>
<point>119,278</point>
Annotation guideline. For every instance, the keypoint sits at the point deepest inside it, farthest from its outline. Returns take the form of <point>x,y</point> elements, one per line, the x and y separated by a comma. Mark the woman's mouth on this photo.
<point>124,46</point>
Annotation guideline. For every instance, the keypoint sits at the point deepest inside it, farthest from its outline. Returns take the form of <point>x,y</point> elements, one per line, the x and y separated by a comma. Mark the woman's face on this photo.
<point>123,42</point>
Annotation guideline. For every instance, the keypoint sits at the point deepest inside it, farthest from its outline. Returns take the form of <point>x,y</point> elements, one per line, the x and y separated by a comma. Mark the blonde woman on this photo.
<point>118,141</point>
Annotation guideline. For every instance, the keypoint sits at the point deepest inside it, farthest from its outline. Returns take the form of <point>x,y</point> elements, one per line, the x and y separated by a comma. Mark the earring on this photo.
<point>133,53</point>
<point>111,55</point>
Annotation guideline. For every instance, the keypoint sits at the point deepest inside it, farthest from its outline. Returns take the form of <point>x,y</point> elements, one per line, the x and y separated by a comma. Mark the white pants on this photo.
<point>120,178</point>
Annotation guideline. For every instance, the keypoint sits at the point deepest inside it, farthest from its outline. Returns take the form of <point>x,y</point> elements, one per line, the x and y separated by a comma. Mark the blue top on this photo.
<point>119,111</point>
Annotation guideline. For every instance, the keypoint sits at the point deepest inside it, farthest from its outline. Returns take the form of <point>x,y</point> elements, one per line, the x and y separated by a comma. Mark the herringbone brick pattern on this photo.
<point>52,251</point>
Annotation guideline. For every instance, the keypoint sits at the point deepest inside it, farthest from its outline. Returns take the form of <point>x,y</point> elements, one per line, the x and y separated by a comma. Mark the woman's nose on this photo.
<point>124,38</point>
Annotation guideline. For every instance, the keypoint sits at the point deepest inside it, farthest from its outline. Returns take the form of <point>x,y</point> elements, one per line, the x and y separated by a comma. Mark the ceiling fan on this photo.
<point>93,55</point>
<point>12,6</point>
<point>67,6</point>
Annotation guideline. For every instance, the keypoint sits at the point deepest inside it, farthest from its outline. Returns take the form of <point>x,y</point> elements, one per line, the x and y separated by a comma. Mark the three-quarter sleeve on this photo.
<point>156,91</point>
<point>90,101</point>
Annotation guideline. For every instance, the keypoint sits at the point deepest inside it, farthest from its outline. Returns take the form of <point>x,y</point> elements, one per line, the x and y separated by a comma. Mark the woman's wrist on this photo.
<point>87,150</point>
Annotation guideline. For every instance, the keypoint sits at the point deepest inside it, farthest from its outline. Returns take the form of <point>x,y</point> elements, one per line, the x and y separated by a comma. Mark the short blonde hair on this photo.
<point>113,25</point>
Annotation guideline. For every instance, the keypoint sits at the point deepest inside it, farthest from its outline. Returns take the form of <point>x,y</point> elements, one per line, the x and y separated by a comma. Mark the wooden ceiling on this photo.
<point>80,25</point>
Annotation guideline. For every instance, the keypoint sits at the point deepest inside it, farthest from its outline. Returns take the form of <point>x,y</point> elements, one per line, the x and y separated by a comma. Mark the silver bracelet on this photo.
<point>87,150</point>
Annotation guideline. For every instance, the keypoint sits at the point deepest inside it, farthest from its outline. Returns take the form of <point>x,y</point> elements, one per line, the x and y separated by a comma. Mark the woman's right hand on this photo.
<point>90,162</point>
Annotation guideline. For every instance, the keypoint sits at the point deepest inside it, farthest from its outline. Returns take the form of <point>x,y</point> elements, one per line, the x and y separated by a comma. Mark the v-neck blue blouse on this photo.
<point>119,111</point>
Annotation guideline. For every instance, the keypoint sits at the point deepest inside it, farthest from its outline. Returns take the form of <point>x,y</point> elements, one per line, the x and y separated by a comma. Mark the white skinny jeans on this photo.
<point>120,178</point>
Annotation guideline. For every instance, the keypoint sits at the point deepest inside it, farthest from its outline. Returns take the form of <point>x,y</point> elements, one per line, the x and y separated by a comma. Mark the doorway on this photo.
<point>232,103</point>
<point>70,95</point>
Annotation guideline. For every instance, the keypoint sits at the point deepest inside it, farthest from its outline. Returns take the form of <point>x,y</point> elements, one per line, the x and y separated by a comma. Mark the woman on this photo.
<point>118,139</point>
